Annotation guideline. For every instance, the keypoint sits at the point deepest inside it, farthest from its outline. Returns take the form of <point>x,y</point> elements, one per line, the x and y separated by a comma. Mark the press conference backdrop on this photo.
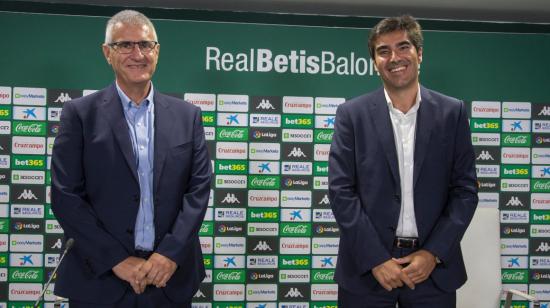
<point>269,95</point>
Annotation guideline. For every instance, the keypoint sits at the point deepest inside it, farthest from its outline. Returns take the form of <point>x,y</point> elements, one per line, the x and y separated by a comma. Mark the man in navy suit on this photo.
<point>130,183</point>
<point>402,183</point>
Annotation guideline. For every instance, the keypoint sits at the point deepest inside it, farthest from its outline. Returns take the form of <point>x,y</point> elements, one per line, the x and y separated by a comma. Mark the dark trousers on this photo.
<point>425,295</point>
<point>152,298</point>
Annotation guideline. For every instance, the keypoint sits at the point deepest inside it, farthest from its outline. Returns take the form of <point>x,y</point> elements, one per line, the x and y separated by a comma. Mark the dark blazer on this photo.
<point>365,193</point>
<point>95,194</point>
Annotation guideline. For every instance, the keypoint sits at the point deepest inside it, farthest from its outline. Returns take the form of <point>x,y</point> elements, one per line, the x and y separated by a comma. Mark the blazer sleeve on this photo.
<point>444,239</point>
<point>358,234</point>
<point>70,203</point>
<point>177,243</point>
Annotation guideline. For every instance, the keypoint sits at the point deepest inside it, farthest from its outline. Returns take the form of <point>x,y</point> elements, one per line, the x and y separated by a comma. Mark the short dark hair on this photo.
<point>405,23</point>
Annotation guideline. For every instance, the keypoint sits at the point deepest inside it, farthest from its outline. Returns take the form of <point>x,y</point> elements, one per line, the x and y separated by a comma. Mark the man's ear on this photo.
<point>106,52</point>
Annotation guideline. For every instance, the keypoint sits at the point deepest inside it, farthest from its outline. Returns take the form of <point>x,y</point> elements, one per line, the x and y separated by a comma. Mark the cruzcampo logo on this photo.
<point>22,274</point>
<point>323,276</point>
<point>207,260</point>
<point>540,217</point>
<point>28,128</point>
<point>4,225</point>
<point>320,168</point>
<point>28,162</point>
<point>231,133</point>
<point>540,186</point>
<point>3,259</point>
<point>264,182</point>
<point>231,167</point>
<point>295,229</point>
<point>515,171</point>
<point>323,135</point>
<point>229,276</point>
<point>5,113</point>
<point>263,215</point>
<point>298,262</point>
<point>207,228</point>
<point>485,125</point>
<point>514,276</point>
<point>208,118</point>
<point>515,140</point>
<point>297,121</point>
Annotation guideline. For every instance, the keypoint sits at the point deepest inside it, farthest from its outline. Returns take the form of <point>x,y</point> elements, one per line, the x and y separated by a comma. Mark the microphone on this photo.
<point>68,245</point>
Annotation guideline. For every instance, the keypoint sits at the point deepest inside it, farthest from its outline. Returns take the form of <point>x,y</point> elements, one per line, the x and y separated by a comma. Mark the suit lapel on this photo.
<point>382,123</point>
<point>163,129</point>
<point>424,124</point>
<point>112,109</point>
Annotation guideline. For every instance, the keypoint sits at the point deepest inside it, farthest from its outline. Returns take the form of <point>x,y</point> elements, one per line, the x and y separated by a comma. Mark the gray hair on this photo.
<point>128,17</point>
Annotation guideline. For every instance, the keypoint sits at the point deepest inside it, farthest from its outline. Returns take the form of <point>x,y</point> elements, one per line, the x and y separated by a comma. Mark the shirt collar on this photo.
<point>127,103</point>
<point>413,109</point>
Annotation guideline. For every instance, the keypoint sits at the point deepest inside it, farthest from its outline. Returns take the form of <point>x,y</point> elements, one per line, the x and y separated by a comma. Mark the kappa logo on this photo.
<point>230,199</point>
<point>265,104</point>
<point>325,200</point>
<point>199,294</point>
<point>262,246</point>
<point>297,152</point>
<point>27,194</point>
<point>545,111</point>
<point>485,155</point>
<point>62,98</point>
<point>293,292</point>
<point>57,244</point>
<point>514,201</point>
<point>544,247</point>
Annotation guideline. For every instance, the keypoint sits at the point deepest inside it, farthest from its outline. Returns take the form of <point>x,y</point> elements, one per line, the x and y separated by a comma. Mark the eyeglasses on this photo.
<point>128,46</point>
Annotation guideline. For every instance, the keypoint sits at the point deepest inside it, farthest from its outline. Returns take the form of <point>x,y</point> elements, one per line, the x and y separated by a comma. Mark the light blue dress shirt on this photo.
<point>141,120</point>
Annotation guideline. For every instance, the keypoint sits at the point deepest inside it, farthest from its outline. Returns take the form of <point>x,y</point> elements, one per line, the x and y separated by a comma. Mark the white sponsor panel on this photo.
<point>259,305</point>
<point>231,181</point>
<point>265,120</point>
<point>24,291</point>
<point>295,215</point>
<point>4,210</point>
<point>51,259</point>
<point>324,262</point>
<point>29,96</point>
<point>540,172</point>
<point>487,171</point>
<point>514,286</point>
<point>54,113</point>
<point>4,162</point>
<point>209,133</point>
<point>228,261</point>
<point>4,193</point>
<point>293,305</point>
<point>264,151</point>
<point>514,262</point>
<point>320,182</point>
<point>539,262</point>
<point>28,177</point>
<point>297,135</point>
<point>540,156</point>
<point>488,200</point>
<point>28,145</point>
<point>325,246</point>
<point>263,198</point>
<point>486,139</point>
<point>325,121</point>
<point>324,292</point>
<point>516,126</point>
<point>199,305</point>
<point>321,152</point>
<point>485,109</point>
<point>262,229</point>
<point>29,113</point>
<point>514,246</point>
<point>261,292</point>
<point>228,292</point>
<point>229,245</point>
<point>27,211</point>
<point>323,215</point>
<point>540,230</point>
<point>26,260</point>
<point>541,126</point>
<point>53,226</point>
<point>5,95</point>
<point>208,276</point>
<point>231,150</point>
<point>263,167</point>
<point>516,110</point>
<point>327,105</point>
<point>515,155</point>
<point>296,198</point>
<point>5,127</point>
<point>26,242</point>
<point>540,291</point>
<point>514,217</point>
<point>294,245</point>
<point>209,216</point>
<point>514,185</point>
<point>211,197</point>
<point>49,145</point>
<point>293,276</point>
<point>4,242</point>
<point>206,102</point>
<point>230,214</point>
<point>88,92</point>
<point>232,103</point>
<point>3,275</point>
<point>261,261</point>
<point>232,119</point>
<point>297,104</point>
<point>540,201</point>
<point>298,168</point>
<point>206,244</point>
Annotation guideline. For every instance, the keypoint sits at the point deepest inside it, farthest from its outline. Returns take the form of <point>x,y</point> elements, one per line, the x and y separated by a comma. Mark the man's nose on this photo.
<point>136,51</point>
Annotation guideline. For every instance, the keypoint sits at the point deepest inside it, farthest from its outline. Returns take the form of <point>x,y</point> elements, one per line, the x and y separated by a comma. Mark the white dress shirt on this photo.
<point>404,132</point>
